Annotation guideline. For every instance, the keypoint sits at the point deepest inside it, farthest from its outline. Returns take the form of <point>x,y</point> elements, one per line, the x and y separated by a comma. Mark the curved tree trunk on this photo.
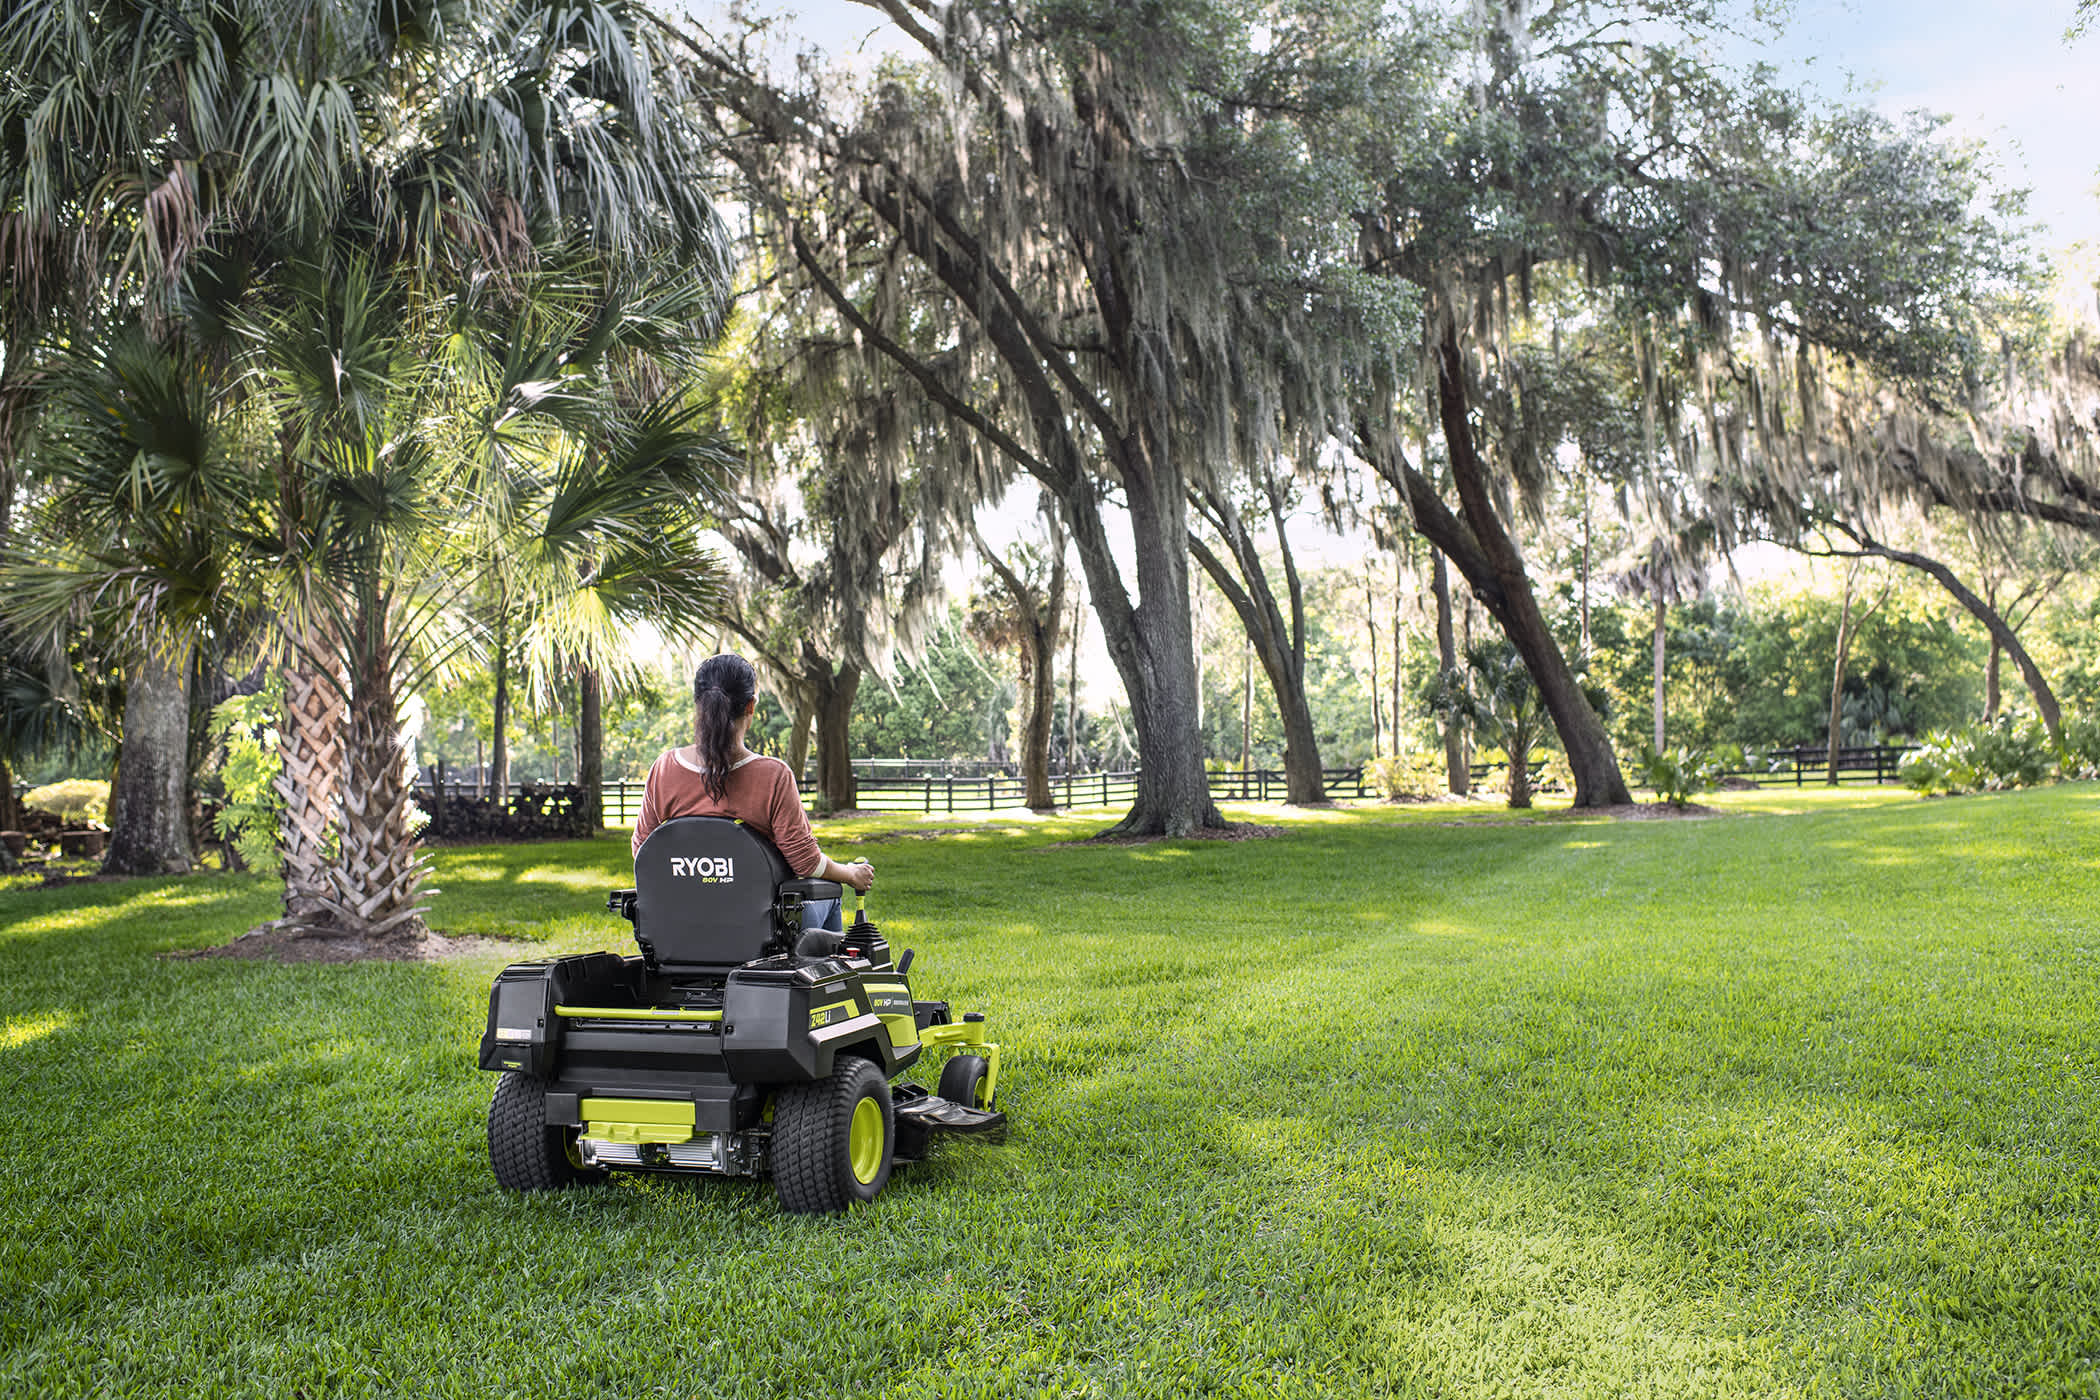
<point>1485,554</point>
<point>149,807</point>
<point>1993,687</point>
<point>590,749</point>
<point>1458,775</point>
<point>1278,641</point>
<point>1150,642</point>
<point>1283,663</point>
<point>2001,631</point>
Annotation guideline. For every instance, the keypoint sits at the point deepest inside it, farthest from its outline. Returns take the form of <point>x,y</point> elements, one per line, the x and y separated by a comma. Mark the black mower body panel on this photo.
<point>672,1057</point>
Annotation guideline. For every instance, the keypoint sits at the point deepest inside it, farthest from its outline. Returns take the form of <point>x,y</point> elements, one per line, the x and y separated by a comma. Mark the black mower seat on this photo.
<point>705,891</point>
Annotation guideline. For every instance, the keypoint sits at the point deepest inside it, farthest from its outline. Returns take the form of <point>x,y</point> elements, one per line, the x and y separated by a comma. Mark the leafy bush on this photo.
<point>539,812</point>
<point>1556,774</point>
<point>248,821</point>
<point>1676,774</point>
<point>1407,775</point>
<point>75,799</point>
<point>2006,753</point>
<point>2078,755</point>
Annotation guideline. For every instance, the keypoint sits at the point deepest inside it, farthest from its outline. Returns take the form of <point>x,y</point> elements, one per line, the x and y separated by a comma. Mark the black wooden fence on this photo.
<point>934,788</point>
<point>912,785</point>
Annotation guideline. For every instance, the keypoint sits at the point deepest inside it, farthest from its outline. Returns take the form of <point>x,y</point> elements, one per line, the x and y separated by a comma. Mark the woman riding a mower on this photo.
<point>716,776</point>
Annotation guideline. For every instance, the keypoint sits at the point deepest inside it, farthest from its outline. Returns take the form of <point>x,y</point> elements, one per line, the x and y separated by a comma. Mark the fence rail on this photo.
<point>976,786</point>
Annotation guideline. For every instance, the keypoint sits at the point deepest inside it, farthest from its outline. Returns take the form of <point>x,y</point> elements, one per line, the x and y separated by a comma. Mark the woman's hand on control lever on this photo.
<point>860,875</point>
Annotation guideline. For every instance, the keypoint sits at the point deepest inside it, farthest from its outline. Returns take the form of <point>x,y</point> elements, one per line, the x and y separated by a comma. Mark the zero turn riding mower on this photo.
<point>737,1044</point>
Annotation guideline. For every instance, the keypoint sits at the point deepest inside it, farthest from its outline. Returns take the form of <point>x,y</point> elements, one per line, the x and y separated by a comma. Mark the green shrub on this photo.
<point>75,799</point>
<point>2007,753</point>
<point>247,726</point>
<point>1677,774</point>
<point>2078,754</point>
<point>1417,775</point>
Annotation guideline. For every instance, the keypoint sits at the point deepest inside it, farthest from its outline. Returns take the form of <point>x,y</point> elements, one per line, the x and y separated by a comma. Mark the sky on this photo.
<point>2001,70</point>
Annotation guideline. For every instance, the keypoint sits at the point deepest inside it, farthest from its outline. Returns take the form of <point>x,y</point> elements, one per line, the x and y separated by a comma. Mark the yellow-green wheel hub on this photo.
<point>864,1140</point>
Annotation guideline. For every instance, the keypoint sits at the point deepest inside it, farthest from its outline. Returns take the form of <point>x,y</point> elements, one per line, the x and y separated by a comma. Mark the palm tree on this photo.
<point>140,495</point>
<point>1496,693</point>
<point>198,159</point>
<point>482,444</point>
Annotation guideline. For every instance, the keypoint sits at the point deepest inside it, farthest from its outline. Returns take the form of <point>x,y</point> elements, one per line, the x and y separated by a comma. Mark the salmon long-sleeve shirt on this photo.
<point>761,793</point>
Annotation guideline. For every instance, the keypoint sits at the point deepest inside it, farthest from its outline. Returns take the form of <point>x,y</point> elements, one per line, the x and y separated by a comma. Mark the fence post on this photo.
<point>951,796</point>
<point>927,804</point>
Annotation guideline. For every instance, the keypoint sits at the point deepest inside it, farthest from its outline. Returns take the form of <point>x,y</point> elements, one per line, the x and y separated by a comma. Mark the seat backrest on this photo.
<point>704,892</point>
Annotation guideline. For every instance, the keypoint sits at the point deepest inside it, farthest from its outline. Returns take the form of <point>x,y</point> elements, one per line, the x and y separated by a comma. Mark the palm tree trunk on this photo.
<point>310,743</point>
<point>1520,741</point>
<point>590,750</point>
<point>499,744</point>
<point>379,869</point>
<point>149,807</point>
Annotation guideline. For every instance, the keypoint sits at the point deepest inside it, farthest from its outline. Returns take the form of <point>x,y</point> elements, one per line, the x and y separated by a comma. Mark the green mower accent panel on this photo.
<point>737,1043</point>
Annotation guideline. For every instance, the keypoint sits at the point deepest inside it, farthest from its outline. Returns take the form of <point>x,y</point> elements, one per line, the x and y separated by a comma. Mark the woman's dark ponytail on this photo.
<point>722,688</point>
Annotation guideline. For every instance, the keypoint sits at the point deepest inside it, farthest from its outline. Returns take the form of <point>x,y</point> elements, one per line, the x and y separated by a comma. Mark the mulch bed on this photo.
<point>270,943</point>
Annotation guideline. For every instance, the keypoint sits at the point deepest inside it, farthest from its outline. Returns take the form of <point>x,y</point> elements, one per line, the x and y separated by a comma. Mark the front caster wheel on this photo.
<point>963,1081</point>
<point>525,1153</point>
<point>834,1140</point>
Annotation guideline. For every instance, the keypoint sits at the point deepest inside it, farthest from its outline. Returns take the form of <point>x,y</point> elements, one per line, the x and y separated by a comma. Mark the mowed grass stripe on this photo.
<point>1799,1101</point>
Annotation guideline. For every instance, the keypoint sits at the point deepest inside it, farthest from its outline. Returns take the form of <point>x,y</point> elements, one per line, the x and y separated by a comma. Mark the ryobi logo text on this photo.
<point>710,869</point>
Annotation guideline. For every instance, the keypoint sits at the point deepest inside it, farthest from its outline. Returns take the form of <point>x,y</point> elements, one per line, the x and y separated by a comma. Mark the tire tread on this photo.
<point>811,1172</point>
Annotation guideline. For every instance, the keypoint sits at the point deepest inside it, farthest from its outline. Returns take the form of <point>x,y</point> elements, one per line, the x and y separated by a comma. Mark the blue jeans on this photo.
<point>824,913</point>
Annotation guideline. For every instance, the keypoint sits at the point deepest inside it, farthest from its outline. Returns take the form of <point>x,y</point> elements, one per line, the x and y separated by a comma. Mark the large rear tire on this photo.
<point>834,1140</point>
<point>524,1152</point>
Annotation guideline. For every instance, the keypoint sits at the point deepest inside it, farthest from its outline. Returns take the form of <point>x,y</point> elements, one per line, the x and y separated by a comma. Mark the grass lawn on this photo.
<point>1800,1101</point>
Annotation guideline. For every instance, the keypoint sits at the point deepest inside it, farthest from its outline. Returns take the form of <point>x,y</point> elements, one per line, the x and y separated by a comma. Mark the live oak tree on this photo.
<point>1061,283</point>
<point>1761,253</point>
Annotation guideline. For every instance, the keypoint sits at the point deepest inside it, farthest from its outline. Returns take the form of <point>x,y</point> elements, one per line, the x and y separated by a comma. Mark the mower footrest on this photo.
<point>921,1116</point>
